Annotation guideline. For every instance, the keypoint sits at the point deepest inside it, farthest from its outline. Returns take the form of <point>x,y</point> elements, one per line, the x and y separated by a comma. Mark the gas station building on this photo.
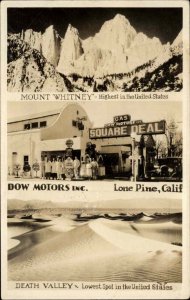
<point>45,134</point>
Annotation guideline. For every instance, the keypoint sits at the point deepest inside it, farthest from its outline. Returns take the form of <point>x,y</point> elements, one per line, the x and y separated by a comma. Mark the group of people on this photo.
<point>89,169</point>
<point>59,168</point>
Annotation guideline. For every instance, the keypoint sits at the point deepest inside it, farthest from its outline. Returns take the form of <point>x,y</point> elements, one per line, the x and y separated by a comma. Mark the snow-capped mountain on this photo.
<point>116,54</point>
<point>116,48</point>
<point>116,34</point>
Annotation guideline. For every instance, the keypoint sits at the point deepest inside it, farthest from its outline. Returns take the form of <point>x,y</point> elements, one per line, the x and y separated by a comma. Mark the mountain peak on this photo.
<point>51,27</point>
<point>121,18</point>
<point>116,34</point>
<point>71,30</point>
<point>178,39</point>
<point>50,30</point>
<point>119,21</point>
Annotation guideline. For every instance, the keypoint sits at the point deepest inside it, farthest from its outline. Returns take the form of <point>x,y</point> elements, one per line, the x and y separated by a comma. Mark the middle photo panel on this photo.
<point>132,141</point>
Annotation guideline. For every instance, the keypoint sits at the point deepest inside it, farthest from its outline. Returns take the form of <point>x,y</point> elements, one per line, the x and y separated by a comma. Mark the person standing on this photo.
<point>88,169</point>
<point>43,167</point>
<point>63,169</point>
<point>47,168</point>
<point>83,169</point>
<point>76,167</point>
<point>54,168</point>
<point>59,166</point>
<point>94,165</point>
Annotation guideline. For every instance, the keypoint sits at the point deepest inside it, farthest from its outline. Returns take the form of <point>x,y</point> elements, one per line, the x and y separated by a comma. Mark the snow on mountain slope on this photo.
<point>177,45</point>
<point>28,70</point>
<point>166,77</point>
<point>142,50</point>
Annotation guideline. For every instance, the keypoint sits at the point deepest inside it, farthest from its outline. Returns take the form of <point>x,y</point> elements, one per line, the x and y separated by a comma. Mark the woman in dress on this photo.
<point>76,167</point>
<point>59,167</point>
<point>94,165</point>
<point>83,169</point>
<point>88,169</point>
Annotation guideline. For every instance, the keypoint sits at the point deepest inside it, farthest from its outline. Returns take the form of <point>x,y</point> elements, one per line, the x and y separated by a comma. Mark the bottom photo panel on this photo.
<point>80,243</point>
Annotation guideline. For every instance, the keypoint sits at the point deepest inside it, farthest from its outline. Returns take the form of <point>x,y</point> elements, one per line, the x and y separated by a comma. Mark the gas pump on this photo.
<point>149,156</point>
<point>133,161</point>
<point>141,160</point>
<point>69,164</point>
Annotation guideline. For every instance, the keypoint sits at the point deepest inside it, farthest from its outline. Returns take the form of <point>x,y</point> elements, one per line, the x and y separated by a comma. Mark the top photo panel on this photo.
<point>94,49</point>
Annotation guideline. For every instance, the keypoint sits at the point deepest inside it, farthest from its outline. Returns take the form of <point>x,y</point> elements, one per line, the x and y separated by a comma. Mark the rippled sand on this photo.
<point>98,250</point>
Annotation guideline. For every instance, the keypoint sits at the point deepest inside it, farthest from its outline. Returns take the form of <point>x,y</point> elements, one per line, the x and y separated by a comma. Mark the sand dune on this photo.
<point>98,250</point>
<point>129,241</point>
<point>168,232</point>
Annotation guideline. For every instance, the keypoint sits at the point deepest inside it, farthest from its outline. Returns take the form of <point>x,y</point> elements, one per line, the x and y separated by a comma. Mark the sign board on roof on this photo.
<point>122,118</point>
<point>122,131</point>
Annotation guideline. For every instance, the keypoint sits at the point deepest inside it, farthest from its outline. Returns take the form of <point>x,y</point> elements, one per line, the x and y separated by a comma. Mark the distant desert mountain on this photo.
<point>163,205</point>
<point>116,51</point>
<point>14,204</point>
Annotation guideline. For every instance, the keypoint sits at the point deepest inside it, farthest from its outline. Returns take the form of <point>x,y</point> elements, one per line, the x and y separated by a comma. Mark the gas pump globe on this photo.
<point>69,150</point>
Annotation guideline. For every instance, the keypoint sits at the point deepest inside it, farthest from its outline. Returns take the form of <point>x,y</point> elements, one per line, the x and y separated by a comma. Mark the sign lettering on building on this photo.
<point>121,118</point>
<point>121,131</point>
<point>123,123</point>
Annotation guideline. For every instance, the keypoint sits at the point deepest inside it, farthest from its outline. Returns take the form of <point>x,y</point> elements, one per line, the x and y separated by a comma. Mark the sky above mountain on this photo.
<point>164,23</point>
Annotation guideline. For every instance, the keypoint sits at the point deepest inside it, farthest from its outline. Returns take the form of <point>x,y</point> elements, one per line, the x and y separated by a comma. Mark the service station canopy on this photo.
<point>123,126</point>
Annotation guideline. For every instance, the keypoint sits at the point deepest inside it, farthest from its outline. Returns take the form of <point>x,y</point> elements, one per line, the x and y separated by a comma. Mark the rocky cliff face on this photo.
<point>177,45</point>
<point>116,48</point>
<point>71,50</point>
<point>48,43</point>
<point>29,71</point>
<point>51,44</point>
<point>33,38</point>
<point>116,52</point>
<point>116,34</point>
